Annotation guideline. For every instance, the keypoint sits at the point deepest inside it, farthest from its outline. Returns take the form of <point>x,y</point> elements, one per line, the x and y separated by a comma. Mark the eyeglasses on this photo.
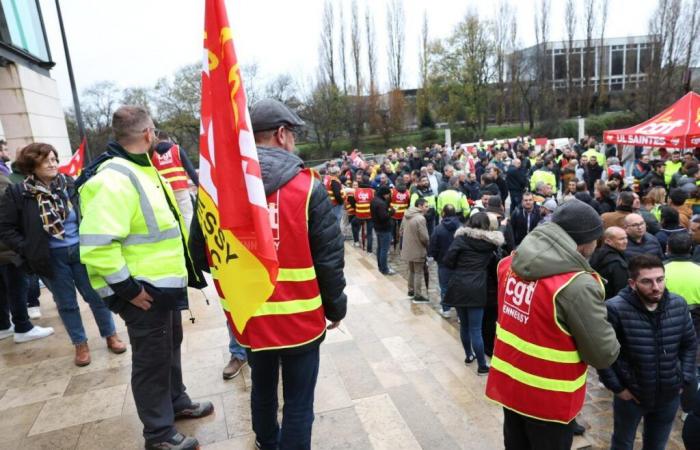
<point>290,129</point>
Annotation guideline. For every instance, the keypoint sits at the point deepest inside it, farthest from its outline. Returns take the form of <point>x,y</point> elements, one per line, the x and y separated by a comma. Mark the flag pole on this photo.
<point>71,77</point>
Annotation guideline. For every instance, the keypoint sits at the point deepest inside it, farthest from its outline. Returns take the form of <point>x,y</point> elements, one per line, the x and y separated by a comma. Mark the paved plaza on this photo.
<point>392,377</point>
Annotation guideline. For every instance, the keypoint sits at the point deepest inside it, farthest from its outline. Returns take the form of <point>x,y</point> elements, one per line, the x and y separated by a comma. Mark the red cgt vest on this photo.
<point>293,315</point>
<point>328,184</point>
<point>363,197</point>
<point>170,167</point>
<point>349,209</point>
<point>536,369</point>
<point>399,201</point>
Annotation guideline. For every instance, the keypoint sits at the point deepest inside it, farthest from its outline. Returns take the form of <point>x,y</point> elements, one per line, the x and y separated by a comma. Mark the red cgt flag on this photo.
<point>232,207</point>
<point>74,165</point>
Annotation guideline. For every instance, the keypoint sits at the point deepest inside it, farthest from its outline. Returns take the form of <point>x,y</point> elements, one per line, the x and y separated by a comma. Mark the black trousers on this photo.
<point>524,433</point>
<point>156,373</point>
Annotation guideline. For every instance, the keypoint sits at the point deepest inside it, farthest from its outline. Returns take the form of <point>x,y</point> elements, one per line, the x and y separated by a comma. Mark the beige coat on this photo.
<point>415,236</point>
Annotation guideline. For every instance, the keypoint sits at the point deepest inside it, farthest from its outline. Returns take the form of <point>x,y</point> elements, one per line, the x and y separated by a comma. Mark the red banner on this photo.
<point>232,205</point>
<point>74,165</point>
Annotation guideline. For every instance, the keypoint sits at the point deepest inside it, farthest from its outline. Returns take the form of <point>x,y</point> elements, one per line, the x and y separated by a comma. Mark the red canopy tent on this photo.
<point>676,127</point>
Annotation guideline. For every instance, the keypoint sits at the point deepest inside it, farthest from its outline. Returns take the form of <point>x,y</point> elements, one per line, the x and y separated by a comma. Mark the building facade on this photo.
<point>616,63</point>
<point>30,106</point>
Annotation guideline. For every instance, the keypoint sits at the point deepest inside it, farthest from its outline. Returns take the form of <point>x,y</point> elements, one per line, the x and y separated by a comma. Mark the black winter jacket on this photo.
<point>519,222</point>
<point>657,356</point>
<point>381,217</point>
<point>649,244</point>
<point>516,179</point>
<point>473,256</point>
<point>326,240</point>
<point>21,229</point>
<point>612,266</point>
<point>442,238</point>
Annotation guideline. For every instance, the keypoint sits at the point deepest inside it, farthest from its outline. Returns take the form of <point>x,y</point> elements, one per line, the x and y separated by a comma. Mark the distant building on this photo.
<point>30,107</point>
<point>619,63</point>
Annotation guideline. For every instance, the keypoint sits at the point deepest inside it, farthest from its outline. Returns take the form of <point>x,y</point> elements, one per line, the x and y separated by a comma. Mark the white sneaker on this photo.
<point>7,332</point>
<point>34,312</point>
<point>35,333</point>
<point>445,314</point>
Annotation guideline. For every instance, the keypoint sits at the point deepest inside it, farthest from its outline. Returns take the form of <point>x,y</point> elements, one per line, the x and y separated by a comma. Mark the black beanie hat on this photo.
<point>579,220</point>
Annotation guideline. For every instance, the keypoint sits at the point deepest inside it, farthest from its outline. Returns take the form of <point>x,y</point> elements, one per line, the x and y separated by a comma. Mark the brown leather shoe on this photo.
<point>82,355</point>
<point>233,368</point>
<point>115,345</point>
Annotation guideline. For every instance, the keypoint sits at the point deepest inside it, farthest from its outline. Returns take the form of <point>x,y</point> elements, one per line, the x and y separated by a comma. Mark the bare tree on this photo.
<point>356,47</point>
<point>395,26</point>
<point>501,30</point>
<point>602,69</point>
<point>570,29</point>
<point>543,65</point>
<point>589,21</point>
<point>692,27</point>
<point>373,99</point>
<point>284,89</point>
<point>422,98</point>
<point>342,53</point>
<point>328,43</point>
<point>356,105</point>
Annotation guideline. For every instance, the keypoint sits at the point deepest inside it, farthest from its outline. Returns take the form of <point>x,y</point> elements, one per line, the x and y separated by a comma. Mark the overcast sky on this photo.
<point>136,42</point>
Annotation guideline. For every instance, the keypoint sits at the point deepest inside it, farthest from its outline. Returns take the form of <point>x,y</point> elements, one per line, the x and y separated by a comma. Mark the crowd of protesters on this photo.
<point>468,206</point>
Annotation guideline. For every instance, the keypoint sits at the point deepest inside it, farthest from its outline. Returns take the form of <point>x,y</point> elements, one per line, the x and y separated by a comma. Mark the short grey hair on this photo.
<point>129,122</point>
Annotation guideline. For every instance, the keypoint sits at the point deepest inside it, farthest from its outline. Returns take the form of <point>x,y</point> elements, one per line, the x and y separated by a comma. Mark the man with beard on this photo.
<point>657,359</point>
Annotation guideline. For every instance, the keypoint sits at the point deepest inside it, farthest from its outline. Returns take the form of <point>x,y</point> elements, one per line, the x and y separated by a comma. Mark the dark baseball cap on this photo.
<point>269,114</point>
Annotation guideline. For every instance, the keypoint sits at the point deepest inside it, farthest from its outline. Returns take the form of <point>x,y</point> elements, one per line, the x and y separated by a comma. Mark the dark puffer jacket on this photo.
<point>442,238</point>
<point>326,240</point>
<point>612,266</point>
<point>657,356</point>
<point>473,256</point>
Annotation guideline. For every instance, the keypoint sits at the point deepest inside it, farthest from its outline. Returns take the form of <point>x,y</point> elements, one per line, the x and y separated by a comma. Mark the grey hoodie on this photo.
<point>580,306</point>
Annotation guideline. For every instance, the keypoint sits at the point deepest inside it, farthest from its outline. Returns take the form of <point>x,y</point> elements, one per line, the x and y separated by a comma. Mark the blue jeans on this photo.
<point>69,274</point>
<point>14,285</point>
<point>234,348</point>
<point>369,227</point>
<point>383,244</point>
<point>355,227</point>
<point>299,374</point>
<point>470,332</point>
<point>658,422</point>
<point>34,291</point>
<point>444,275</point>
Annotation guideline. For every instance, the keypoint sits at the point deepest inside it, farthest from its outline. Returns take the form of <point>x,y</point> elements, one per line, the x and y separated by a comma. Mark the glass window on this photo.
<point>631,61</point>
<point>560,67</point>
<point>617,67</point>
<point>645,60</point>
<point>22,27</point>
<point>575,65</point>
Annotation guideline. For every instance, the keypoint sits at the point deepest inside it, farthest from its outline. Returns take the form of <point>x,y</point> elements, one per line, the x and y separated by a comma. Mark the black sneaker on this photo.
<point>578,428</point>
<point>411,293</point>
<point>418,299</point>
<point>482,371</point>
<point>195,411</point>
<point>177,442</point>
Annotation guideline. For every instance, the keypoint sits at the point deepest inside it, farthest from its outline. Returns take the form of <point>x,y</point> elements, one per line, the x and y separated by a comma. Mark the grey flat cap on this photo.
<point>269,114</point>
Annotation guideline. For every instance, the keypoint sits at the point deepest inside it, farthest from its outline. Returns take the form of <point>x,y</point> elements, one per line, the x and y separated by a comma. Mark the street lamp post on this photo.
<point>71,77</point>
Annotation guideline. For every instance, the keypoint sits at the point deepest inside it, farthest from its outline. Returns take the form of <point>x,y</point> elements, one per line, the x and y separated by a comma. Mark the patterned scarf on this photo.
<point>53,209</point>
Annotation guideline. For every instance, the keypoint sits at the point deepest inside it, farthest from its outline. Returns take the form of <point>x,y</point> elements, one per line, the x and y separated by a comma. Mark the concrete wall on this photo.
<point>31,111</point>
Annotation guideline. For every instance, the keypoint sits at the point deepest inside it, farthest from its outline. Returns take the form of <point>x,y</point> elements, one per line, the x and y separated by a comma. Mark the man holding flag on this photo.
<point>274,247</point>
